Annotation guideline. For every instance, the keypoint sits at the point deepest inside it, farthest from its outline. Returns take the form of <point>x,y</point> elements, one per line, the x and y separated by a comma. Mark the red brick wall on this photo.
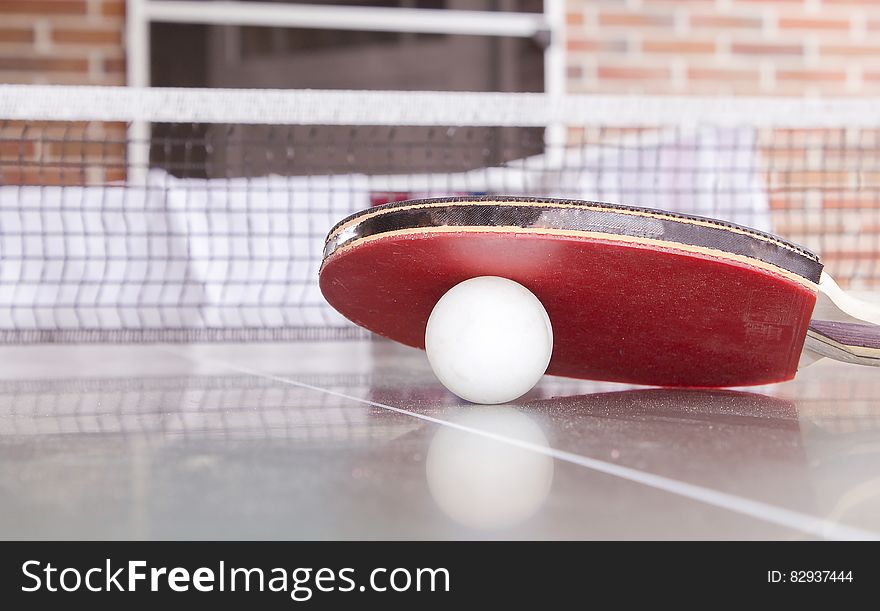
<point>71,42</point>
<point>809,47</point>
<point>791,47</point>
<point>824,185</point>
<point>827,47</point>
<point>62,42</point>
<point>752,47</point>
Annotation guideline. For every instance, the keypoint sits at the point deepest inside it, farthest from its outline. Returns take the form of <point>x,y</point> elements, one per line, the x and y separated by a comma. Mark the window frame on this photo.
<point>547,26</point>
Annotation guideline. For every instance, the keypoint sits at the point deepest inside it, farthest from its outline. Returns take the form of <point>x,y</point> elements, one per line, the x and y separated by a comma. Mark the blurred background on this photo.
<point>809,173</point>
<point>749,47</point>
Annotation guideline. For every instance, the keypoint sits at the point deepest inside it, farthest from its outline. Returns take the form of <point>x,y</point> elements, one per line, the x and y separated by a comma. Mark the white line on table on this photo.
<point>788,518</point>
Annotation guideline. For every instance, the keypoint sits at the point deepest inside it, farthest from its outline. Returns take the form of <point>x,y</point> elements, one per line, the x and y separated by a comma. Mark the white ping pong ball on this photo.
<point>489,340</point>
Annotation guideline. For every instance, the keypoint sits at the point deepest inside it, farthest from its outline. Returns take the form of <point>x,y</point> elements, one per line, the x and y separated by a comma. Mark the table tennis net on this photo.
<point>199,215</point>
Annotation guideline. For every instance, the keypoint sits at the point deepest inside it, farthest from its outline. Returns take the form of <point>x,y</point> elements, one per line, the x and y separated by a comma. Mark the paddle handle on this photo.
<point>845,341</point>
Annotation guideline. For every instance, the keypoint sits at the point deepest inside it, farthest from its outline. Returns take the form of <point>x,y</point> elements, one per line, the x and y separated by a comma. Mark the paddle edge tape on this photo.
<point>574,218</point>
<point>602,237</point>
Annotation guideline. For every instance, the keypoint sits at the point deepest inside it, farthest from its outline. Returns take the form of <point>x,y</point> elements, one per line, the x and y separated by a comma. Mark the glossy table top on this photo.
<point>357,440</point>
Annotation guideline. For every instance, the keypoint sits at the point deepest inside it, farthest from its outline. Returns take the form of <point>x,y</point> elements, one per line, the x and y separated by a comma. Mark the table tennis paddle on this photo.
<point>634,295</point>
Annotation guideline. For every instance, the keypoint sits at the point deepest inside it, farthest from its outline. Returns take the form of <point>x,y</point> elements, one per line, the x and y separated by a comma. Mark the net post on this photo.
<point>555,76</point>
<point>137,31</point>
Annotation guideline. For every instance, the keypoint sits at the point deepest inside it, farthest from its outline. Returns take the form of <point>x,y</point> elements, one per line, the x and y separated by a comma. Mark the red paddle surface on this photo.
<point>620,312</point>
